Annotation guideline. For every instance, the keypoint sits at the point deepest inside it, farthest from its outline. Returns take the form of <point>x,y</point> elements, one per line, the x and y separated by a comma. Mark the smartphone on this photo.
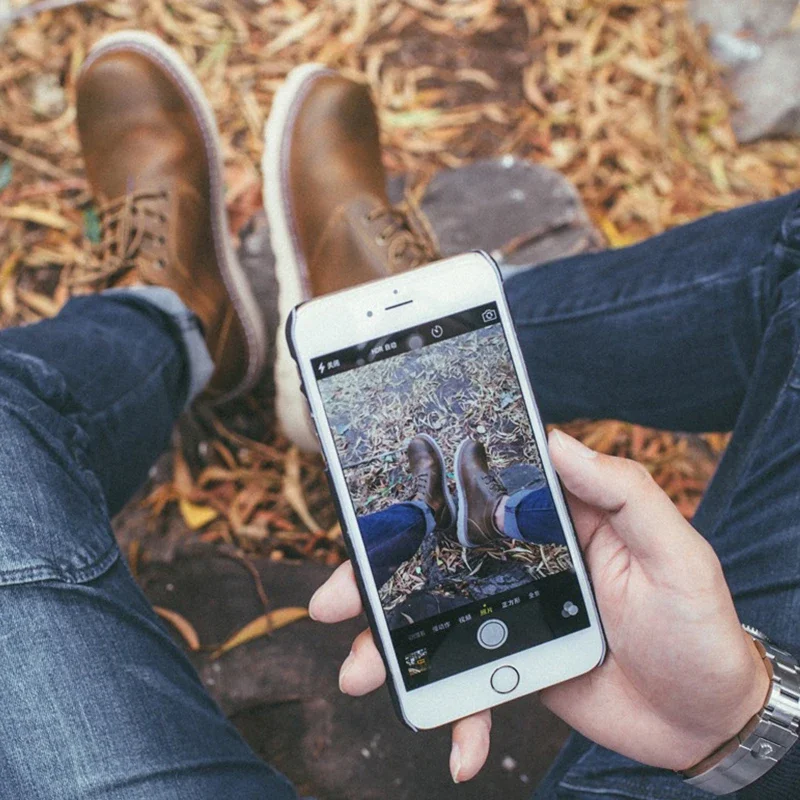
<point>459,535</point>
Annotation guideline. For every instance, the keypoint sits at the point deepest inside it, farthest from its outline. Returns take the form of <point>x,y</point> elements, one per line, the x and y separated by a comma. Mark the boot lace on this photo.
<point>133,231</point>
<point>422,486</point>
<point>407,235</point>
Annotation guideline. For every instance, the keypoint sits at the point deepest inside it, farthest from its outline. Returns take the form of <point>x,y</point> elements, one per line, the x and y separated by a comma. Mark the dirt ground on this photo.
<point>621,97</point>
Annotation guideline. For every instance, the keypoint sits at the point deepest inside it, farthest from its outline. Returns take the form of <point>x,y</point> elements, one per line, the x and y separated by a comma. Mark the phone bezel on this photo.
<point>438,290</point>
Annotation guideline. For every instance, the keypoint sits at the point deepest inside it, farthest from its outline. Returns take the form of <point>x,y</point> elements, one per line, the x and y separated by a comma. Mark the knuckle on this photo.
<point>637,473</point>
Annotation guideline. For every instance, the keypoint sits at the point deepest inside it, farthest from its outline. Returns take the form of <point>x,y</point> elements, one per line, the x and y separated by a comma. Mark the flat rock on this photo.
<point>769,92</point>
<point>753,37</point>
<point>521,213</point>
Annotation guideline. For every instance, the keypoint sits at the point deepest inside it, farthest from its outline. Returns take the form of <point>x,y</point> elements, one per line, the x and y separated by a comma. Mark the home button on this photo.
<point>492,634</point>
<point>505,680</point>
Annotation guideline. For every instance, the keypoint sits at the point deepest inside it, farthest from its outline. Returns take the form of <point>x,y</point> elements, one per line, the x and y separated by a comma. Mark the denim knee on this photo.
<point>53,521</point>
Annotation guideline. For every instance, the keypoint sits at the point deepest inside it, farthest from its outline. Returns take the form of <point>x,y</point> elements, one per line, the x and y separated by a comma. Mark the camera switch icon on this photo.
<point>437,331</point>
<point>569,610</point>
<point>490,315</point>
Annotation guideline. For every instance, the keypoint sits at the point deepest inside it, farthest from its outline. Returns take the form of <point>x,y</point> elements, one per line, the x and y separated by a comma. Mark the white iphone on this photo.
<point>455,522</point>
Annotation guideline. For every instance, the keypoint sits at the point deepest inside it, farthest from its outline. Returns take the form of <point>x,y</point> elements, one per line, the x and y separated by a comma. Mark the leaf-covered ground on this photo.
<point>621,97</point>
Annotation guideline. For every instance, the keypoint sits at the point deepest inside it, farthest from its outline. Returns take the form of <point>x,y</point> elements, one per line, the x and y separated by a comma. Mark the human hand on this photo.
<point>680,678</point>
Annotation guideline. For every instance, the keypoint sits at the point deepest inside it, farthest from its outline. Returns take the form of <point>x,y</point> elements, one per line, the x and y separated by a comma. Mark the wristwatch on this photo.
<point>766,738</point>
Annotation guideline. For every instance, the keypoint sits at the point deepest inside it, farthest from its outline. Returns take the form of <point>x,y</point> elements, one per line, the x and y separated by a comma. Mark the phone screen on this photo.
<point>454,509</point>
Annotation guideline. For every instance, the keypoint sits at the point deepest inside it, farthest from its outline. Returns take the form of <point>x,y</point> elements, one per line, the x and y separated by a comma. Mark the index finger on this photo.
<point>338,598</point>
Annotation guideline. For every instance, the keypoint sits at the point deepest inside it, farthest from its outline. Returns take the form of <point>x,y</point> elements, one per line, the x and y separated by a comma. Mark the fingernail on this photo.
<point>311,603</point>
<point>455,762</point>
<point>573,445</point>
<point>347,665</point>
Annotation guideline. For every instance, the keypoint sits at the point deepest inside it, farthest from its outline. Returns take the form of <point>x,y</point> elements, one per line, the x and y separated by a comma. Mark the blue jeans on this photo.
<point>698,329</point>
<point>97,700</point>
<point>393,535</point>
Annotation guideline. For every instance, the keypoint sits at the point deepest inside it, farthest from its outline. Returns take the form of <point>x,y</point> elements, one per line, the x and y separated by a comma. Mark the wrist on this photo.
<point>756,687</point>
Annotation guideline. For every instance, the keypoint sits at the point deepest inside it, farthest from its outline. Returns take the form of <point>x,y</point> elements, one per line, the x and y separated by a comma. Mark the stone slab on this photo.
<point>754,39</point>
<point>769,92</point>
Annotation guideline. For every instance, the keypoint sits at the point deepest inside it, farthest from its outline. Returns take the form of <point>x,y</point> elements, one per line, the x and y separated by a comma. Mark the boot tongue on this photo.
<point>365,240</point>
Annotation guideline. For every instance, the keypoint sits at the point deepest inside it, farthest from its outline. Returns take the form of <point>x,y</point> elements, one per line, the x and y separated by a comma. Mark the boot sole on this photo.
<point>445,488</point>
<point>290,268</point>
<point>233,276</point>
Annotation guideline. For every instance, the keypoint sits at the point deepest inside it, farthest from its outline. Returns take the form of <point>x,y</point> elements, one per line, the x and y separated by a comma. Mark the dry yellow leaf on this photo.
<point>612,233</point>
<point>40,216</point>
<point>182,625</point>
<point>261,626</point>
<point>182,475</point>
<point>41,304</point>
<point>293,490</point>
<point>196,516</point>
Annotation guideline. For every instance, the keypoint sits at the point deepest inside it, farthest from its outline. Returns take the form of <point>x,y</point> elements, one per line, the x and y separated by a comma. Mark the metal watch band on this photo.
<point>766,738</point>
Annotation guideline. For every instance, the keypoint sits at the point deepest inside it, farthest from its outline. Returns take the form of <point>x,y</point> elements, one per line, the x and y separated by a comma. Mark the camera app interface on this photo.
<point>464,541</point>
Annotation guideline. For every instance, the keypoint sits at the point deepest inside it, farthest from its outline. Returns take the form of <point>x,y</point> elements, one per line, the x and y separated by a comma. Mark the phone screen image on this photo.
<point>454,509</point>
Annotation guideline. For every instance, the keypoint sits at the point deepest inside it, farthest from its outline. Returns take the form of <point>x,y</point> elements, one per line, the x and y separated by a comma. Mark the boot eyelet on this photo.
<point>162,240</point>
<point>161,264</point>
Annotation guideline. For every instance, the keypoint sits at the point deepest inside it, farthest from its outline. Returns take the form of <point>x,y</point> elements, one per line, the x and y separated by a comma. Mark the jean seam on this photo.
<point>18,409</point>
<point>613,308</point>
<point>40,574</point>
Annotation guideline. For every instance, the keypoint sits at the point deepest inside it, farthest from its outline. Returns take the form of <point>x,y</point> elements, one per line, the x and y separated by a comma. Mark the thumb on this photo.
<point>640,513</point>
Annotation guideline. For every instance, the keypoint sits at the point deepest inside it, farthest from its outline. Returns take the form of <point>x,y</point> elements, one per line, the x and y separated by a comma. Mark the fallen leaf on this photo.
<point>293,491</point>
<point>40,216</point>
<point>32,43</point>
<point>39,303</point>
<point>196,516</point>
<point>182,475</point>
<point>261,626</point>
<point>134,553</point>
<point>612,233</point>
<point>182,625</point>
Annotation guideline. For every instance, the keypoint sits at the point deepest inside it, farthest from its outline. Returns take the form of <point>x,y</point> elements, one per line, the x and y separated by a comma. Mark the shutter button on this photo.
<point>492,634</point>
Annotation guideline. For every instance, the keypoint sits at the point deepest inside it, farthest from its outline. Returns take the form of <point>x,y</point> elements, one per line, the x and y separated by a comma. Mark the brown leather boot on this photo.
<point>478,496</point>
<point>430,477</point>
<point>154,162</point>
<point>331,223</point>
